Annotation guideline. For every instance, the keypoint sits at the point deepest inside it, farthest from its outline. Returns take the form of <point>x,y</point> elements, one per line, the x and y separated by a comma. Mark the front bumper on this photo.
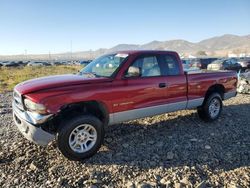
<point>28,125</point>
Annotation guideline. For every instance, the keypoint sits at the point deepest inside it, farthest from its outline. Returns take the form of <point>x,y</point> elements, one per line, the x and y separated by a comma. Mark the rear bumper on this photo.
<point>29,130</point>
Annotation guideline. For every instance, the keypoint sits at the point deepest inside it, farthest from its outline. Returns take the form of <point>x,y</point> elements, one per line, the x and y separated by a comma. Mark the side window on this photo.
<point>233,61</point>
<point>228,62</point>
<point>170,65</point>
<point>148,66</point>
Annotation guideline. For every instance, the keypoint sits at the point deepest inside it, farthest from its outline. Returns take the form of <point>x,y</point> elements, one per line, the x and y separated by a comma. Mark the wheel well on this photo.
<point>95,108</point>
<point>216,88</point>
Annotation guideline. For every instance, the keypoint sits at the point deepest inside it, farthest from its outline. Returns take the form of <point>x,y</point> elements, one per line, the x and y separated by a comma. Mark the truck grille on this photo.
<point>18,100</point>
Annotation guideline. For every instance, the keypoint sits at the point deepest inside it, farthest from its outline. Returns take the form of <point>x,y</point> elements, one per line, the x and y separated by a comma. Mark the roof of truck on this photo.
<point>131,52</point>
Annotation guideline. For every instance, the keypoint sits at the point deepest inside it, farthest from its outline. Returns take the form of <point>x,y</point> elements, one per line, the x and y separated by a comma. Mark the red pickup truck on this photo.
<point>75,109</point>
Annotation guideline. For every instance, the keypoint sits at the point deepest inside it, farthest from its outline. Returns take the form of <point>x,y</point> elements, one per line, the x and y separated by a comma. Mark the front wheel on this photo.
<point>211,108</point>
<point>80,137</point>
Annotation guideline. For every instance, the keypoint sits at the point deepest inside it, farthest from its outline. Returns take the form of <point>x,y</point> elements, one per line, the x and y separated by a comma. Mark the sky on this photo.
<point>55,26</point>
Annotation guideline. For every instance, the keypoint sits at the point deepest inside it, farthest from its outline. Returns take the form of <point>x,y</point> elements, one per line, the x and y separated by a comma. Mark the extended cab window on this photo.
<point>144,67</point>
<point>171,65</point>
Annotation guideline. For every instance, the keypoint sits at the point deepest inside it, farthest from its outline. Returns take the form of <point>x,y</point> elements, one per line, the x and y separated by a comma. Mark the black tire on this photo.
<point>204,112</point>
<point>66,129</point>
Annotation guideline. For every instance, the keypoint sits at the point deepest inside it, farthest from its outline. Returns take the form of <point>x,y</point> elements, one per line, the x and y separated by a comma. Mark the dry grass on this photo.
<point>9,77</point>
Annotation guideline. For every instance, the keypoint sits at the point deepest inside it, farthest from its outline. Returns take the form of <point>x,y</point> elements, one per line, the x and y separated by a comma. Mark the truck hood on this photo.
<point>50,82</point>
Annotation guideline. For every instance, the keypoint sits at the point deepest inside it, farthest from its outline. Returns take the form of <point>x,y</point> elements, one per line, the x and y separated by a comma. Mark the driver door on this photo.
<point>141,94</point>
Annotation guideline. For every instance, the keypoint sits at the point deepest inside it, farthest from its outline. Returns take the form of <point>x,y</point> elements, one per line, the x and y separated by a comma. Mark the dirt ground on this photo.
<point>170,150</point>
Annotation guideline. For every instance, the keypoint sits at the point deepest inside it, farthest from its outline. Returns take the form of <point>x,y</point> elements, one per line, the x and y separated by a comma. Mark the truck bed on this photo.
<point>199,82</point>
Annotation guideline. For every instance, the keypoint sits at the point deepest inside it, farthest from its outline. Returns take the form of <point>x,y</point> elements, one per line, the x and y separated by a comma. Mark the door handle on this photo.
<point>162,85</point>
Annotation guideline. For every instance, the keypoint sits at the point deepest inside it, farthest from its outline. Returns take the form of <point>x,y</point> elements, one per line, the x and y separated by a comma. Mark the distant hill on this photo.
<point>120,47</point>
<point>216,46</point>
<point>226,42</point>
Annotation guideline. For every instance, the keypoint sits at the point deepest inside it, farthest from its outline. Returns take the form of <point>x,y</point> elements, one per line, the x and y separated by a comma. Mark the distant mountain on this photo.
<point>181,46</point>
<point>152,45</point>
<point>221,45</point>
<point>226,42</point>
<point>216,46</point>
<point>121,47</point>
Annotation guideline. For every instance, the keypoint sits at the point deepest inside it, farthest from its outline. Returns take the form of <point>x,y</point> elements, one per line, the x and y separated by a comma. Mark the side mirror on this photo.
<point>133,72</point>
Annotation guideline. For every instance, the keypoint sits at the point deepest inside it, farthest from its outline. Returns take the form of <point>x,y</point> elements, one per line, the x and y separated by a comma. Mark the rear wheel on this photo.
<point>80,137</point>
<point>211,108</point>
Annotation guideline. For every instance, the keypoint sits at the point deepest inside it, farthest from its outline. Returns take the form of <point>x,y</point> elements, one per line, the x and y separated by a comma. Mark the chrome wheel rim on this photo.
<point>82,138</point>
<point>214,108</point>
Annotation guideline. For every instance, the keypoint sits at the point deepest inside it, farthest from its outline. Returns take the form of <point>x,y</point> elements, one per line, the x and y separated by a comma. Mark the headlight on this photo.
<point>34,107</point>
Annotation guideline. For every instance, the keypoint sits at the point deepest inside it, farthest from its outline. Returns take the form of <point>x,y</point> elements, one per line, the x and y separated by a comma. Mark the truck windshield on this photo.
<point>104,66</point>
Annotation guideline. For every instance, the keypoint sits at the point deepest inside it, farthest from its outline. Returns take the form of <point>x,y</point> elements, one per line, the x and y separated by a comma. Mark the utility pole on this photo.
<point>49,56</point>
<point>25,55</point>
<point>71,50</point>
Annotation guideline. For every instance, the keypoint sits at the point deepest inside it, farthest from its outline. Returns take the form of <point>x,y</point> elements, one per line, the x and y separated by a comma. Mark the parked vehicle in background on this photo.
<point>73,62</point>
<point>190,64</point>
<point>206,61</point>
<point>117,87</point>
<point>200,63</point>
<point>69,63</point>
<point>22,63</point>
<point>64,63</point>
<point>245,64</point>
<point>85,62</point>
<point>38,63</point>
<point>34,63</point>
<point>10,64</point>
<point>225,64</point>
<point>185,64</point>
<point>56,63</point>
<point>25,63</point>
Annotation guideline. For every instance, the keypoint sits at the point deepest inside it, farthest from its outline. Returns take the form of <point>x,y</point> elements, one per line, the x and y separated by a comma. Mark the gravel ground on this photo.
<point>171,150</point>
